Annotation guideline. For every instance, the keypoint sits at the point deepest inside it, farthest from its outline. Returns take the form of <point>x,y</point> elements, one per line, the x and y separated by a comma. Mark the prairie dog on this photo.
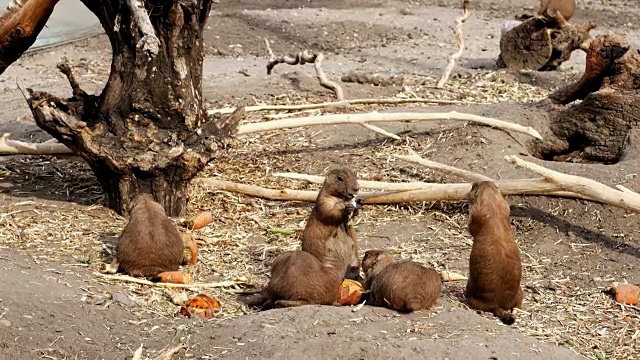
<point>328,232</point>
<point>150,243</point>
<point>495,269</point>
<point>299,278</point>
<point>403,285</point>
<point>566,8</point>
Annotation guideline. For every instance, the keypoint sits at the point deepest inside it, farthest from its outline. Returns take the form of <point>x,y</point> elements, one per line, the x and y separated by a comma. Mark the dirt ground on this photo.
<point>54,232</point>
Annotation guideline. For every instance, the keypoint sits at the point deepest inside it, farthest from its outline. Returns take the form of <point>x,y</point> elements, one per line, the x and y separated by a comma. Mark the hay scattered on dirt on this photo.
<point>247,233</point>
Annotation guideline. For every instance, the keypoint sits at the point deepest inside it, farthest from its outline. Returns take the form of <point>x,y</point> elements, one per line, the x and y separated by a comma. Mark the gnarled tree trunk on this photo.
<point>148,130</point>
<point>604,126</point>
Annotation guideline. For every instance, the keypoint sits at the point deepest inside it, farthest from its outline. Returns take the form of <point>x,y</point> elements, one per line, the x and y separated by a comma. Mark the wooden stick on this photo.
<point>365,184</point>
<point>15,147</point>
<point>446,169</point>
<point>362,118</point>
<point>342,103</point>
<point>168,354</point>
<point>466,11</point>
<point>426,192</point>
<point>380,131</point>
<point>162,284</point>
<point>587,187</point>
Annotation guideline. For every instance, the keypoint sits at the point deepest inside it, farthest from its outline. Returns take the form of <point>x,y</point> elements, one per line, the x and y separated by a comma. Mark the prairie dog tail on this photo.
<point>505,316</point>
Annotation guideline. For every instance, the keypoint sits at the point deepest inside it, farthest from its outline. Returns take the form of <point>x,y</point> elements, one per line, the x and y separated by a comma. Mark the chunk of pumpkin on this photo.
<point>350,292</point>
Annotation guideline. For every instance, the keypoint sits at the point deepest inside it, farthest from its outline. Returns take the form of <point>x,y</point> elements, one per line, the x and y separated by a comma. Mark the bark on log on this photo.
<point>542,43</point>
<point>146,133</point>
<point>19,28</point>
<point>604,126</point>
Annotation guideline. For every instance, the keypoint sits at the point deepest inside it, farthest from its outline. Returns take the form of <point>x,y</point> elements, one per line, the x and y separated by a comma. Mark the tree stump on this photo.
<point>148,130</point>
<point>541,43</point>
<point>604,126</point>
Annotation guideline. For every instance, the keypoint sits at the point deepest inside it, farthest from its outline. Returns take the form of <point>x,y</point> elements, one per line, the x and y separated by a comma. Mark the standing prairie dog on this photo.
<point>403,285</point>
<point>495,269</point>
<point>566,8</point>
<point>299,278</point>
<point>150,243</point>
<point>328,232</point>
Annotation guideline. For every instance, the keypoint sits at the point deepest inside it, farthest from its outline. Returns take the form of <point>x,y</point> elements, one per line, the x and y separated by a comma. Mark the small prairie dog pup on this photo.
<point>403,285</point>
<point>328,232</point>
<point>298,278</point>
<point>495,269</point>
<point>566,8</point>
<point>150,243</point>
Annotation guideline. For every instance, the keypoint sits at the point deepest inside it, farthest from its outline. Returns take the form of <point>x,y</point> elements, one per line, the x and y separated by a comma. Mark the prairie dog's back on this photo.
<point>150,243</point>
<point>400,285</point>
<point>495,269</point>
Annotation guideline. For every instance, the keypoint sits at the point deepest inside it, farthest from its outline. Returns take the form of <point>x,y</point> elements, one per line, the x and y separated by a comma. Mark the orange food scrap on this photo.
<point>350,292</point>
<point>200,304</point>
<point>626,293</point>
<point>173,277</point>
<point>201,220</point>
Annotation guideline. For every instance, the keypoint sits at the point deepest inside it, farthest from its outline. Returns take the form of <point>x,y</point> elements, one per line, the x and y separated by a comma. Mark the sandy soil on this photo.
<point>52,306</point>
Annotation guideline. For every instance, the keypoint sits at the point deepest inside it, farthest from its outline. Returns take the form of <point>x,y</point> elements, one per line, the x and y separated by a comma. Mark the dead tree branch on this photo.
<point>140,17</point>
<point>20,25</point>
<point>446,169</point>
<point>15,147</point>
<point>359,119</point>
<point>302,58</point>
<point>332,104</point>
<point>426,192</point>
<point>537,186</point>
<point>466,11</point>
<point>587,187</point>
<point>364,119</point>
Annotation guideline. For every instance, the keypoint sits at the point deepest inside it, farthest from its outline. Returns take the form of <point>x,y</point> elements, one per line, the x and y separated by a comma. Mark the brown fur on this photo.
<point>298,278</point>
<point>399,285</point>
<point>566,8</point>
<point>328,232</point>
<point>495,269</point>
<point>150,243</point>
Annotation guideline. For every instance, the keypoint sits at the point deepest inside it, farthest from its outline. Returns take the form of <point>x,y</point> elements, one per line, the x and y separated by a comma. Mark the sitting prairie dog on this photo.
<point>400,285</point>
<point>495,269</point>
<point>299,278</point>
<point>566,8</point>
<point>328,232</point>
<point>150,243</point>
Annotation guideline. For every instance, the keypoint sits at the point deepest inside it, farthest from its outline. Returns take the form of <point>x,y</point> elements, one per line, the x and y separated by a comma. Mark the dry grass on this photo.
<point>247,233</point>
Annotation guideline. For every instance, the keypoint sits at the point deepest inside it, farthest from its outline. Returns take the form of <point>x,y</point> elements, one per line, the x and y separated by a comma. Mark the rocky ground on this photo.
<point>54,233</point>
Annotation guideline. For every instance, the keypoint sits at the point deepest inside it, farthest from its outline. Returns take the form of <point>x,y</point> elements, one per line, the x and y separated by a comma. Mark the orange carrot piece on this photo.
<point>173,277</point>
<point>626,293</point>
<point>201,220</point>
